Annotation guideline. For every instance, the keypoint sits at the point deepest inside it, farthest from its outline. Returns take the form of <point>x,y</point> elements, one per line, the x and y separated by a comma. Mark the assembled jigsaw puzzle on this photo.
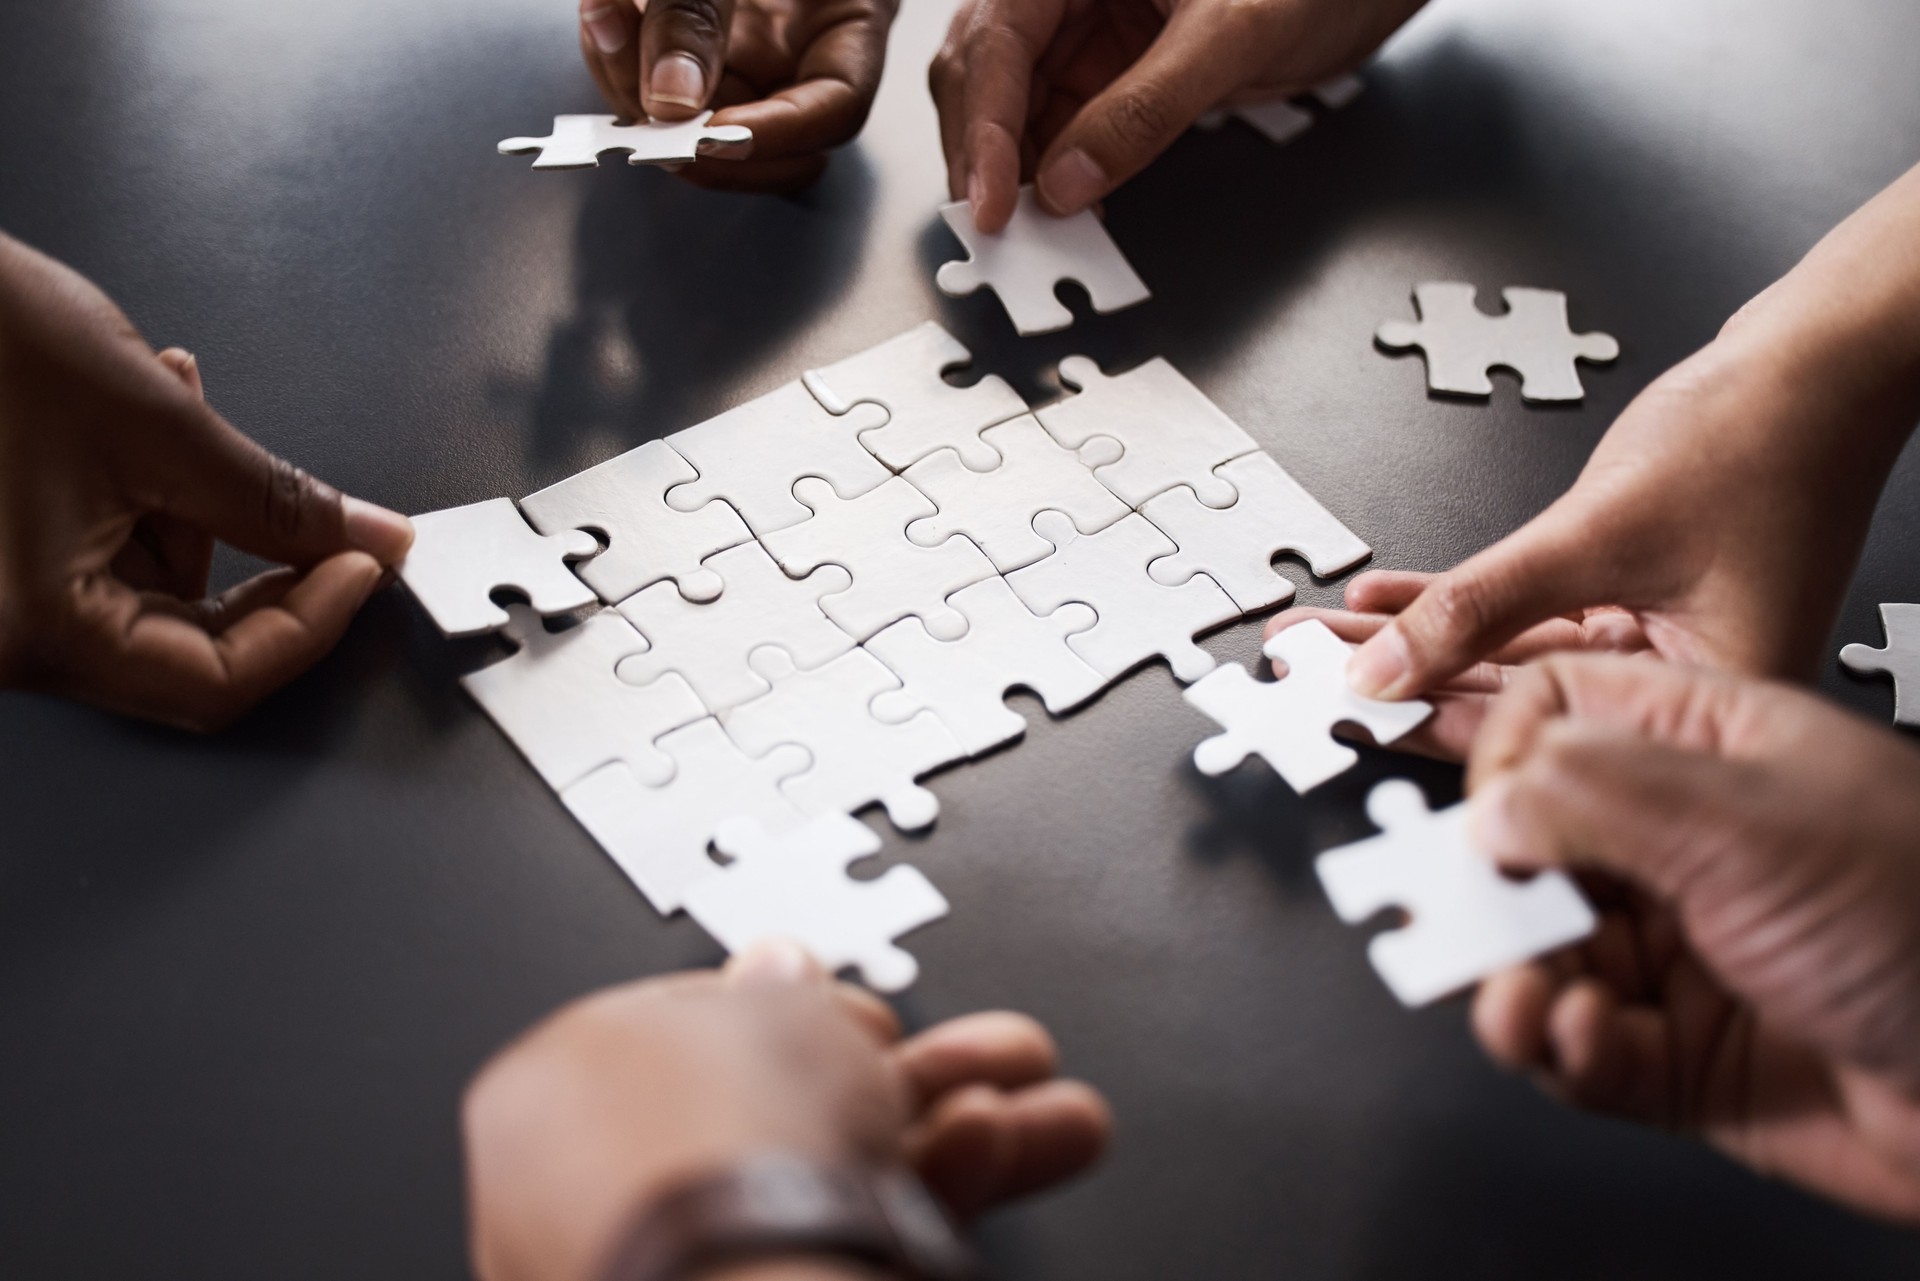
<point>1532,338</point>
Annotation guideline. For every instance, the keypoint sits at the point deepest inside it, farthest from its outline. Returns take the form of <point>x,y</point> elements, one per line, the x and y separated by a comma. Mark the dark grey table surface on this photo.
<point>243,979</point>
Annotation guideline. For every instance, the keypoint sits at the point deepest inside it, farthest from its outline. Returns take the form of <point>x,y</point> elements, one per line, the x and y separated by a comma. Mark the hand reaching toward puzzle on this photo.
<point>115,480</point>
<point>1082,94</point>
<point>576,1127</point>
<point>1755,853</point>
<point>800,73</point>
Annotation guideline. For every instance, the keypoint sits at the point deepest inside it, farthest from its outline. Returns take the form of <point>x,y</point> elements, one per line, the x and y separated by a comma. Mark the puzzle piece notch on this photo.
<point>625,499</point>
<point>1468,920</point>
<point>578,141</point>
<point>1289,722</point>
<point>1900,659</point>
<point>794,885</point>
<point>659,835</point>
<point>1033,254</point>
<point>1235,546</point>
<point>462,555</point>
<point>1532,338</point>
<point>925,413</point>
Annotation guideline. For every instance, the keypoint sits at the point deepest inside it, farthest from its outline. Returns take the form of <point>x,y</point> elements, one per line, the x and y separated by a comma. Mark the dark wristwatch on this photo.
<point>779,1203</point>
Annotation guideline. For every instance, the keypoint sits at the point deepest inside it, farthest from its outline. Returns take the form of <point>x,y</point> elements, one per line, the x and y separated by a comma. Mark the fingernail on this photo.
<point>1490,823</point>
<point>1071,182</point>
<point>604,28</point>
<point>382,534</point>
<point>976,192</point>
<point>678,79</point>
<point>1377,666</point>
<point>773,963</point>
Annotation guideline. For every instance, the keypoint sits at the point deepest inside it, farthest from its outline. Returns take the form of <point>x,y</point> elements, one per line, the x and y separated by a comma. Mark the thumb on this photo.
<point>683,47</point>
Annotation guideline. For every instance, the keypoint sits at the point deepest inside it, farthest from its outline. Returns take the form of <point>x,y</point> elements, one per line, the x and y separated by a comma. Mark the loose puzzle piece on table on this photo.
<point>462,555</point>
<point>1468,920</point>
<point>965,682</point>
<point>893,577</point>
<point>559,701</point>
<point>625,498</point>
<point>857,757</point>
<point>925,412</point>
<point>1532,338</point>
<point>1034,253</point>
<point>1138,618</point>
<point>996,508</point>
<point>794,885</point>
<point>1281,120</point>
<point>710,644</point>
<point>752,454</point>
<point>577,141</point>
<point>1289,722</point>
<point>1900,660</point>
<point>1168,431</point>
<point>659,835</point>
<point>1235,546</point>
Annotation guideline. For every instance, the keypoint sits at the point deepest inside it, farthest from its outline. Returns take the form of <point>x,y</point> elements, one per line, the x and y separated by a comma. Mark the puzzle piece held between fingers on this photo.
<point>462,555</point>
<point>1031,255</point>
<point>1468,920</point>
<point>1289,722</point>
<point>577,141</point>
<point>795,885</point>
<point>1532,338</point>
<point>1900,660</point>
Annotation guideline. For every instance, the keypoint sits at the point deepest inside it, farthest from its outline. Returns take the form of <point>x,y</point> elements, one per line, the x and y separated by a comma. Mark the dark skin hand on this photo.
<point>117,479</point>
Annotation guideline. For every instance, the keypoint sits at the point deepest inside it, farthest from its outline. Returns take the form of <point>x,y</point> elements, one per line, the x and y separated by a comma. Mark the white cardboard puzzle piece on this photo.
<point>1289,722</point>
<point>1034,253</point>
<point>1168,432</point>
<point>753,453</point>
<point>1235,546</point>
<point>659,835</point>
<point>577,141</point>
<point>893,577</point>
<point>1532,338</point>
<point>558,700</point>
<point>1281,119</point>
<point>462,555</point>
<point>965,682</point>
<point>1138,618</point>
<point>1900,660</point>
<point>925,412</point>
<point>857,757</point>
<point>996,508</point>
<point>1467,920</point>
<point>794,885</point>
<point>625,498</point>
<point>710,644</point>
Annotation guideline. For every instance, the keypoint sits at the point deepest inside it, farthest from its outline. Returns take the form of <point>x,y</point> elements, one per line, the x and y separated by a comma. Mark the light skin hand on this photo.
<point>117,480</point>
<point>1755,853</point>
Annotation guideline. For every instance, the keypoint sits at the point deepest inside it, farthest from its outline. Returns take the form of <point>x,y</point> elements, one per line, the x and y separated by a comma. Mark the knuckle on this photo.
<point>288,501</point>
<point>698,20</point>
<point>1459,607</point>
<point>1139,114</point>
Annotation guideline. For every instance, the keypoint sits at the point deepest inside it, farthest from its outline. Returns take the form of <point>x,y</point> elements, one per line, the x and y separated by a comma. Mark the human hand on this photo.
<point>1755,856</point>
<point>623,1094</point>
<point>1083,94</point>
<point>115,480</point>
<point>800,73</point>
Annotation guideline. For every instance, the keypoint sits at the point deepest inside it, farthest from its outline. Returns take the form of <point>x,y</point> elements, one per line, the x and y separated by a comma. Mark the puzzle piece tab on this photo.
<point>577,141</point>
<point>1468,920</point>
<point>1532,338</point>
<point>1034,253</point>
<point>462,555</point>
<point>1900,660</point>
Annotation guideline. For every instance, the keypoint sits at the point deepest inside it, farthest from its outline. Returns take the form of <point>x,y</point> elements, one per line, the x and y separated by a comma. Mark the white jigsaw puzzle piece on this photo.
<point>794,885</point>
<point>1138,618</point>
<point>710,644</point>
<point>625,498</point>
<point>1168,431</point>
<point>1235,546</point>
<point>1289,722</point>
<point>1532,338</point>
<point>558,700</point>
<point>462,555</point>
<point>965,682</point>
<point>1034,253</point>
<point>1282,120</point>
<point>925,412</point>
<point>1900,660</point>
<point>996,508</point>
<point>659,836</point>
<point>577,141</point>
<point>752,455</point>
<point>857,757</point>
<point>1468,920</point>
<point>893,577</point>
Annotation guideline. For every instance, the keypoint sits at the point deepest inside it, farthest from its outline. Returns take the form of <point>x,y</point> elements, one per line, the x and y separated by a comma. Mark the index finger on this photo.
<point>982,85</point>
<point>834,83</point>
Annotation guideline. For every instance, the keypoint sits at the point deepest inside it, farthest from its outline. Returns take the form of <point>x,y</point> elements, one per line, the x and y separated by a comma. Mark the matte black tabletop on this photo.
<point>243,979</point>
